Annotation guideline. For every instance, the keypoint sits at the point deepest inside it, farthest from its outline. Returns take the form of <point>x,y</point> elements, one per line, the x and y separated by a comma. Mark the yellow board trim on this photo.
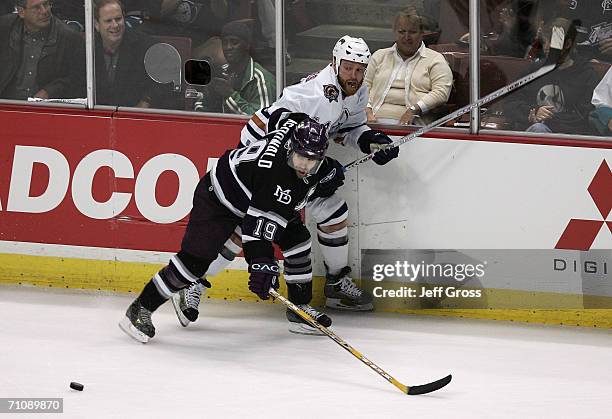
<point>57,272</point>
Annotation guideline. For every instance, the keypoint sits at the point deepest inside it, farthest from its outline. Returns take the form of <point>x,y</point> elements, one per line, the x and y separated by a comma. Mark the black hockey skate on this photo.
<point>187,301</point>
<point>343,294</point>
<point>137,322</point>
<point>300,326</point>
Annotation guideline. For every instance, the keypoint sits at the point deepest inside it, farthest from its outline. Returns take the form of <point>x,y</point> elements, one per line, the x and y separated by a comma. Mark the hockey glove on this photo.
<point>298,116</point>
<point>368,138</point>
<point>332,181</point>
<point>264,274</point>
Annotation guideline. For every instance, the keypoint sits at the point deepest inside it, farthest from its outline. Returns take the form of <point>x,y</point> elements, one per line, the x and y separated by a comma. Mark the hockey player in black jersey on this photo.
<point>258,191</point>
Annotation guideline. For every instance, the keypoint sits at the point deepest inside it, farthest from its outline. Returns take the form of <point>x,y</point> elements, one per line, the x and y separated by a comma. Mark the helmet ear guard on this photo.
<point>350,49</point>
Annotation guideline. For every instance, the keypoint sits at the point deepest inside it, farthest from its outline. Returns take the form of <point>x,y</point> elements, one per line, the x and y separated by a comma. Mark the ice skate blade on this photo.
<point>304,329</point>
<point>337,304</point>
<point>129,329</point>
<point>176,298</point>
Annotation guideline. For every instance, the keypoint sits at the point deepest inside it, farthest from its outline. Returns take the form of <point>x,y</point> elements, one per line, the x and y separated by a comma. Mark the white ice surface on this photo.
<point>239,360</point>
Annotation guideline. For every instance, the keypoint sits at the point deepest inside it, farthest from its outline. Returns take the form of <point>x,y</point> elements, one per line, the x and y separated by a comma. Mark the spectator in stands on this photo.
<point>601,117</point>
<point>594,24</point>
<point>245,85</point>
<point>121,78</point>
<point>509,39</point>
<point>201,21</point>
<point>559,101</point>
<point>41,56</point>
<point>407,81</point>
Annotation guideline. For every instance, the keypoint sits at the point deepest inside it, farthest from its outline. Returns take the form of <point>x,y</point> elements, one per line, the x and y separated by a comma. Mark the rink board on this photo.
<point>114,182</point>
<point>109,275</point>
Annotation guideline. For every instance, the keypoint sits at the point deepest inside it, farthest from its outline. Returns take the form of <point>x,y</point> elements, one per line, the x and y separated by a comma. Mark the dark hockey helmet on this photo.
<point>309,139</point>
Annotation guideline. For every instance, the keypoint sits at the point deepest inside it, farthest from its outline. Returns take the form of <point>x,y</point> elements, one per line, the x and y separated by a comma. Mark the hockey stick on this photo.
<point>410,390</point>
<point>557,41</point>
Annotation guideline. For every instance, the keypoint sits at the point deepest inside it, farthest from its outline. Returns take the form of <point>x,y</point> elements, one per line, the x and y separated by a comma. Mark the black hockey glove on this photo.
<point>330,182</point>
<point>264,274</point>
<point>298,116</point>
<point>377,137</point>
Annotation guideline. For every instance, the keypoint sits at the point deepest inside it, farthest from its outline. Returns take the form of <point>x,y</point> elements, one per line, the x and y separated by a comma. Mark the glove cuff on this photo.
<point>265,266</point>
<point>368,137</point>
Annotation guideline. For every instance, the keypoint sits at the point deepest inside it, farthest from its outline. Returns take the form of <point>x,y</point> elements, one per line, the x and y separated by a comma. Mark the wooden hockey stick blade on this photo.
<point>552,62</point>
<point>410,390</point>
<point>429,387</point>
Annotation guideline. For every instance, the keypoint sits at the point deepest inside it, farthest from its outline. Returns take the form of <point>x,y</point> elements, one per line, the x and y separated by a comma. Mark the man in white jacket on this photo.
<point>408,80</point>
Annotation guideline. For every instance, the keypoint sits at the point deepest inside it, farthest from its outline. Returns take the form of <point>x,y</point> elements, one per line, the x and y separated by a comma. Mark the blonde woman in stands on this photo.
<point>407,81</point>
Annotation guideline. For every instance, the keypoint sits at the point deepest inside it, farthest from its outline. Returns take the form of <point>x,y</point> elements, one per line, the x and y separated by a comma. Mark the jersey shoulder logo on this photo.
<point>283,197</point>
<point>329,177</point>
<point>310,77</point>
<point>331,92</point>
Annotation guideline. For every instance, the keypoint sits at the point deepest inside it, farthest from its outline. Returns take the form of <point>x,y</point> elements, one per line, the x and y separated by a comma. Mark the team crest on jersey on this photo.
<point>282,196</point>
<point>331,92</point>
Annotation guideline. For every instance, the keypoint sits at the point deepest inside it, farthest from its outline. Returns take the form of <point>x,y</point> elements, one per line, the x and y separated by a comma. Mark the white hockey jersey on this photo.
<point>320,97</point>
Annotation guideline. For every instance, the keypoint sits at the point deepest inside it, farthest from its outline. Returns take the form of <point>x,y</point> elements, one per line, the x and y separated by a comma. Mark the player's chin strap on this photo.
<point>556,45</point>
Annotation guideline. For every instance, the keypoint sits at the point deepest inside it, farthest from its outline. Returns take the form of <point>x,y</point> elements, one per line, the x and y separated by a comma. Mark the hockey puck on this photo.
<point>76,386</point>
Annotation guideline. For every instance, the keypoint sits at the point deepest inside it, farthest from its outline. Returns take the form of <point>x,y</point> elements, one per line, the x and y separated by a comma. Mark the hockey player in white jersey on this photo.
<point>335,97</point>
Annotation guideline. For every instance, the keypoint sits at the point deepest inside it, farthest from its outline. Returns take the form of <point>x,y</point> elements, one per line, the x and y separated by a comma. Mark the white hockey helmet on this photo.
<point>351,49</point>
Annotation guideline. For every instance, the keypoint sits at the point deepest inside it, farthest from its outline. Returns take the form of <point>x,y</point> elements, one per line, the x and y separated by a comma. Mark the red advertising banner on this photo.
<point>105,180</point>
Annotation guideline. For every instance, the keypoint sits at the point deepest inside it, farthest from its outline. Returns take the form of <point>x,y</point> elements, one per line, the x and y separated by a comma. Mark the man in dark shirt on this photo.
<point>42,57</point>
<point>560,101</point>
<point>121,78</point>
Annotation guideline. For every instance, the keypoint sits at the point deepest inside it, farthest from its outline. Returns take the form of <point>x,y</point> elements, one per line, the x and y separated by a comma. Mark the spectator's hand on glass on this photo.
<point>406,118</point>
<point>42,94</point>
<point>143,103</point>
<point>605,48</point>
<point>371,116</point>
<point>221,86</point>
<point>543,113</point>
<point>507,18</point>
